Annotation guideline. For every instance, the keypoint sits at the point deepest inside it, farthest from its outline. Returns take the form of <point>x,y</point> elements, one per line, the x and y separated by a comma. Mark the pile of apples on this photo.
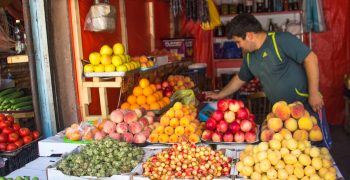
<point>231,122</point>
<point>129,126</point>
<point>180,82</point>
<point>252,86</point>
<point>110,59</point>
<point>166,88</point>
<point>283,157</point>
<point>187,161</point>
<point>13,136</point>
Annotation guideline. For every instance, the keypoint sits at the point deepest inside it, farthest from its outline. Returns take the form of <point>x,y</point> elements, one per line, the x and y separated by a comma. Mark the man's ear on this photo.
<point>249,35</point>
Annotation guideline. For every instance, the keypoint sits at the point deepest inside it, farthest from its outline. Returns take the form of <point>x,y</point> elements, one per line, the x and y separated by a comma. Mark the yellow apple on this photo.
<point>122,68</point>
<point>89,68</point>
<point>109,68</point>
<point>106,50</point>
<point>118,49</point>
<point>99,68</point>
<point>95,58</point>
<point>117,60</point>
<point>106,59</point>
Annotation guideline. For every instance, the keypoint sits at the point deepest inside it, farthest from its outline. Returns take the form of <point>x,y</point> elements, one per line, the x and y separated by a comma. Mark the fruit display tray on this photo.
<point>166,108</point>
<point>237,143</point>
<point>110,74</point>
<point>149,68</point>
<point>15,152</point>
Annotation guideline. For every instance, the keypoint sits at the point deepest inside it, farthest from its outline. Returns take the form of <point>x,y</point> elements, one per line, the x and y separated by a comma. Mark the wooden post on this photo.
<point>124,30</point>
<point>151,24</point>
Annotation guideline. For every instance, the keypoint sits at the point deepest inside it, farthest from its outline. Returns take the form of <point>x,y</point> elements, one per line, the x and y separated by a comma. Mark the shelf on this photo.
<point>267,13</point>
<point>227,63</point>
<point>17,59</point>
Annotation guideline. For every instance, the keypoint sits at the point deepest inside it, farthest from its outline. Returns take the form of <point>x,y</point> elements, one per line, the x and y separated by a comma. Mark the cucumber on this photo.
<point>7,91</point>
<point>21,104</point>
<point>24,108</point>
<point>12,96</point>
<point>8,95</point>
<point>21,99</point>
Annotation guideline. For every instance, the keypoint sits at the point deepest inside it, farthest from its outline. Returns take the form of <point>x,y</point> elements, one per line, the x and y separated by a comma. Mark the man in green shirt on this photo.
<point>287,69</point>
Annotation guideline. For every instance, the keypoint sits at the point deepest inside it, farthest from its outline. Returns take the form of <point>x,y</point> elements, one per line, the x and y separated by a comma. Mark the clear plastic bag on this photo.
<point>101,18</point>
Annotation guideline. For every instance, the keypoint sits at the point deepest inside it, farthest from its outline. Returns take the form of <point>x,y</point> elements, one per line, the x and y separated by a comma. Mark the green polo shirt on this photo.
<point>279,66</point>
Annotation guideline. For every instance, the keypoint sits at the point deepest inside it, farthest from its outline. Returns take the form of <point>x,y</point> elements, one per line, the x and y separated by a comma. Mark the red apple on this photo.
<point>229,116</point>
<point>250,136</point>
<point>222,126</point>
<point>242,113</point>
<point>223,104</point>
<point>165,84</point>
<point>168,94</point>
<point>158,86</point>
<point>218,115</point>
<point>234,105</point>
<point>241,104</point>
<point>207,135</point>
<point>210,124</point>
<point>239,136</point>
<point>234,127</point>
<point>217,137</point>
<point>246,125</point>
<point>228,137</point>
<point>251,117</point>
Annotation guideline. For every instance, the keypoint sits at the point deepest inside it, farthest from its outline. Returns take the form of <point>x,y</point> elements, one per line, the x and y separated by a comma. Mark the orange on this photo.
<point>131,99</point>
<point>125,105</point>
<point>161,103</point>
<point>147,91</point>
<point>144,83</point>
<point>145,106</point>
<point>153,87</point>
<point>151,99</point>
<point>141,100</point>
<point>137,91</point>
<point>154,106</point>
<point>134,106</point>
<point>156,96</point>
<point>75,136</point>
<point>166,100</point>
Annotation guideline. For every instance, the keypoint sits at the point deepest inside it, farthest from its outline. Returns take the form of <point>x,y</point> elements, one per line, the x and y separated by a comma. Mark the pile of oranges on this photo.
<point>145,96</point>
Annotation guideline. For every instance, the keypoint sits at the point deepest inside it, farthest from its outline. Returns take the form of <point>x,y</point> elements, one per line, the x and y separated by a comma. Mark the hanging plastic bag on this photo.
<point>186,96</point>
<point>214,17</point>
<point>101,18</point>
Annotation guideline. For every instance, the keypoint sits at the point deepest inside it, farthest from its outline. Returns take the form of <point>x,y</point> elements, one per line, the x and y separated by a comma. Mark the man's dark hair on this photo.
<point>241,24</point>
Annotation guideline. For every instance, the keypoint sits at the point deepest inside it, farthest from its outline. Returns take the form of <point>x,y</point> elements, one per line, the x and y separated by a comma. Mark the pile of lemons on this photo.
<point>110,60</point>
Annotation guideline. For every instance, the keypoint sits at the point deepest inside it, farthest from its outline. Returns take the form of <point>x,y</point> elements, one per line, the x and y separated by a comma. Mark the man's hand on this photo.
<point>212,95</point>
<point>316,101</point>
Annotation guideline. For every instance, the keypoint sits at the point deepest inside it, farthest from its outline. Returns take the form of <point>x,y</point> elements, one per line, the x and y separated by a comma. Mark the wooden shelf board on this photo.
<point>17,59</point>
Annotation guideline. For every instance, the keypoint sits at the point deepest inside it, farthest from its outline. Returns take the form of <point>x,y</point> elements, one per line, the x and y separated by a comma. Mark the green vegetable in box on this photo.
<point>186,96</point>
<point>102,159</point>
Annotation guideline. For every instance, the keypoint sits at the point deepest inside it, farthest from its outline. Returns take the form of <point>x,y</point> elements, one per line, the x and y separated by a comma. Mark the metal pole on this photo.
<point>31,63</point>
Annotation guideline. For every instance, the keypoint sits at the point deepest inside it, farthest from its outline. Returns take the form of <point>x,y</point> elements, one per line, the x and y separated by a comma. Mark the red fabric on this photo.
<point>332,48</point>
<point>161,21</point>
<point>203,43</point>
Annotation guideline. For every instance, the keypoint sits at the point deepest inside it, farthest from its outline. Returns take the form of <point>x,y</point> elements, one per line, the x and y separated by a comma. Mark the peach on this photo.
<point>314,120</point>
<point>306,113</point>
<point>315,134</point>
<point>159,130</point>
<point>138,112</point>
<point>163,138</point>
<point>153,138</point>
<point>297,109</point>
<point>147,131</point>
<point>270,115</point>
<point>174,122</point>
<point>180,130</point>
<point>117,116</point>
<point>194,138</point>
<point>170,113</point>
<point>305,123</point>
<point>139,138</point>
<point>143,121</point>
<point>207,134</point>
<point>164,121</point>
<point>149,118</point>
<point>122,128</point>
<point>281,110</point>
<point>184,121</point>
<point>151,113</point>
<point>300,135</point>
<point>130,117</point>
<point>179,114</point>
<point>99,135</point>
<point>275,124</point>
<point>169,130</point>
<point>266,135</point>
<point>291,124</point>
<point>115,136</point>
<point>173,138</point>
<point>109,127</point>
<point>128,137</point>
<point>135,127</point>
<point>189,130</point>
<point>285,132</point>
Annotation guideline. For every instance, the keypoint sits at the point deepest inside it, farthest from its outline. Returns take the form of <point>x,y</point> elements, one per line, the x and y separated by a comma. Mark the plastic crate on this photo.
<point>26,155</point>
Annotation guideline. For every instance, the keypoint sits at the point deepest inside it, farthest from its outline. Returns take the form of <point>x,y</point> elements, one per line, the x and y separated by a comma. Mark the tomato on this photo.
<point>19,142</point>
<point>2,117</point>
<point>3,146</point>
<point>27,139</point>
<point>10,118</point>
<point>36,134</point>
<point>24,132</point>
<point>7,130</point>
<point>13,137</point>
<point>3,138</point>
<point>4,124</point>
<point>16,126</point>
<point>11,147</point>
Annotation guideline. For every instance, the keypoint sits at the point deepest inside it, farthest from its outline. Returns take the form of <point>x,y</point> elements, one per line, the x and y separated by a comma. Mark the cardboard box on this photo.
<point>184,47</point>
<point>55,145</point>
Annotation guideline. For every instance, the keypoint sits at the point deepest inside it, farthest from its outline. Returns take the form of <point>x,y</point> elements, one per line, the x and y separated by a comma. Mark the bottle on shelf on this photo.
<point>270,27</point>
<point>285,5</point>
<point>19,47</point>
<point>248,5</point>
<point>240,7</point>
<point>259,5</point>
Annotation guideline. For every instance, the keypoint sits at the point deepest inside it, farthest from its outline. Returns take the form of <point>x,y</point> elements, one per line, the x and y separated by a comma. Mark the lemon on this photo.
<point>118,49</point>
<point>122,68</point>
<point>99,68</point>
<point>117,60</point>
<point>106,50</point>
<point>89,68</point>
<point>95,58</point>
<point>109,68</point>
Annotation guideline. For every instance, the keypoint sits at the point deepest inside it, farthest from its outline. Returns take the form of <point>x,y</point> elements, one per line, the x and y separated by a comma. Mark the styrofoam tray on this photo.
<point>109,74</point>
